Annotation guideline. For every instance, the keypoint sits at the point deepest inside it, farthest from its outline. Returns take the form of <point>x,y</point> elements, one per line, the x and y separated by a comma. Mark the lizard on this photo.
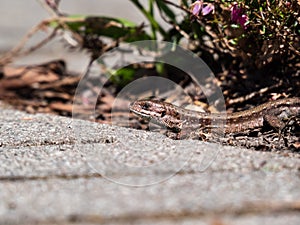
<point>178,119</point>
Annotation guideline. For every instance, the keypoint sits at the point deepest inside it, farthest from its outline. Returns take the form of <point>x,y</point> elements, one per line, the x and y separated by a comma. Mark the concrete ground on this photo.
<point>56,170</point>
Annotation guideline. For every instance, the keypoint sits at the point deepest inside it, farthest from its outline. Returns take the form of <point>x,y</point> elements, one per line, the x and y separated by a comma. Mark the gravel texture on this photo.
<point>56,170</point>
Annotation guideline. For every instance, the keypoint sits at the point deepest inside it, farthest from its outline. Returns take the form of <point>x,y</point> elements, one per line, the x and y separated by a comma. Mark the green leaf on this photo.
<point>154,24</point>
<point>123,76</point>
<point>166,9</point>
<point>233,41</point>
<point>185,3</point>
<point>160,68</point>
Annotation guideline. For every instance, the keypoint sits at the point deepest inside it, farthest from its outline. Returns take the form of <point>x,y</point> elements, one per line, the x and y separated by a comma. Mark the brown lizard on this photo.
<point>178,119</point>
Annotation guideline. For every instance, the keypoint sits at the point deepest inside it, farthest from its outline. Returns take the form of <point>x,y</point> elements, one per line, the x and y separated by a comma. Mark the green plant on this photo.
<point>252,33</point>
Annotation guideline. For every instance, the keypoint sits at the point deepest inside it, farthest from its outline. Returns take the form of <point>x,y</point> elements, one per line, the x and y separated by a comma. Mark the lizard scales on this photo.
<point>176,118</point>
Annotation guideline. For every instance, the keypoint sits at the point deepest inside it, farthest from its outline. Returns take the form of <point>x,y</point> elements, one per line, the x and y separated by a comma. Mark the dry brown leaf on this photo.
<point>59,106</point>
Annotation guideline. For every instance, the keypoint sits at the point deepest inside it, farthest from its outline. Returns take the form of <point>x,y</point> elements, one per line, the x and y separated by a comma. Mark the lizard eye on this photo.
<point>146,106</point>
<point>163,113</point>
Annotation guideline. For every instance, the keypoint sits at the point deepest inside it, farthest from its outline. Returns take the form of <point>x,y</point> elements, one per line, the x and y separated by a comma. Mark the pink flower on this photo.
<point>238,16</point>
<point>204,8</point>
<point>208,9</point>
<point>243,21</point>
<point>196,7</point>
<point>235,12</point>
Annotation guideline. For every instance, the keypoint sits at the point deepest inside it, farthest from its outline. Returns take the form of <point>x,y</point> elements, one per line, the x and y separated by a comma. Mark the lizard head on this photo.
<point>159,112</point>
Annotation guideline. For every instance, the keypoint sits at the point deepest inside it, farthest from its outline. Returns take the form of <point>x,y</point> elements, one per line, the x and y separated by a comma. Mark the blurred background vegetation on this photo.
<point>248,44</point>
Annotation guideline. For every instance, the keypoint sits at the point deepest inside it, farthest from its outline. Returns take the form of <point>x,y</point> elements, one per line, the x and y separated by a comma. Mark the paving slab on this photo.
<point>55,170</point>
